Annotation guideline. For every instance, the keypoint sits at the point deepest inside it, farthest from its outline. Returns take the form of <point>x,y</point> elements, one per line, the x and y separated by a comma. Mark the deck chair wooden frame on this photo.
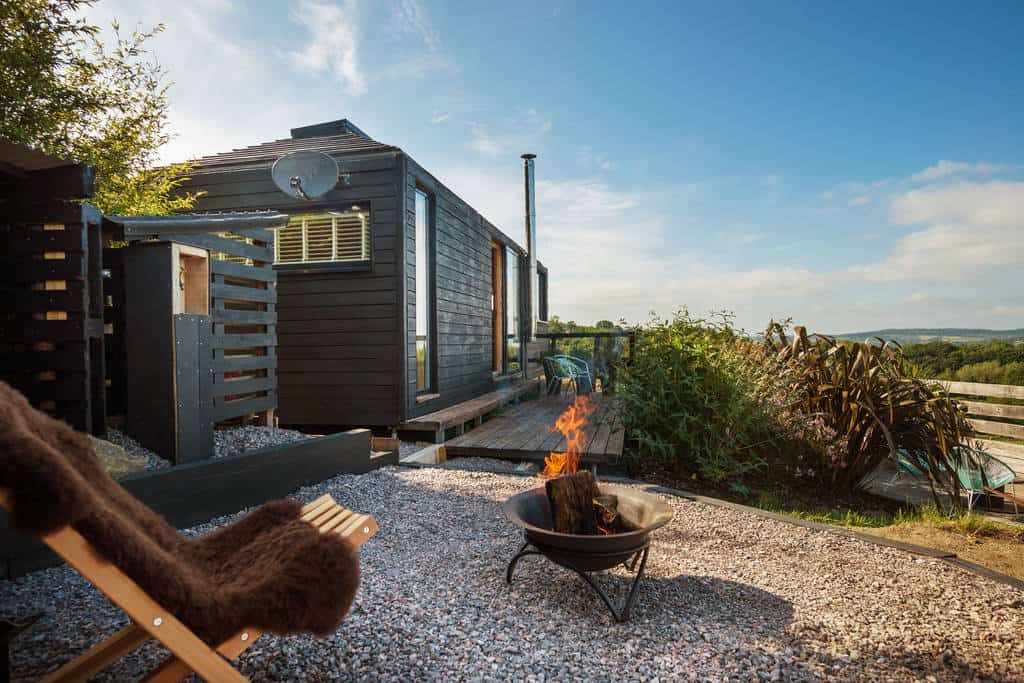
<point>189,654</point>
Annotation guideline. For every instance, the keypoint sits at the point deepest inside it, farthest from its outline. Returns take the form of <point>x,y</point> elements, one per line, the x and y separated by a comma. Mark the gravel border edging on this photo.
<point>949,558</point>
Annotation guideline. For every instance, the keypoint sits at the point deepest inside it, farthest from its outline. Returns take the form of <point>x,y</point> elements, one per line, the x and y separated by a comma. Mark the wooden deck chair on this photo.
<point>150,620</point>
<point>284,567</point>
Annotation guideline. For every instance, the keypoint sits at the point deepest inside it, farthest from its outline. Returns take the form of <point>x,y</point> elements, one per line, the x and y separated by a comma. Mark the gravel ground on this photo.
<point>489,465</point>
<point>407,448</point>
<point>235,440</point>
<point>729,596</point>
<point>133,447</point>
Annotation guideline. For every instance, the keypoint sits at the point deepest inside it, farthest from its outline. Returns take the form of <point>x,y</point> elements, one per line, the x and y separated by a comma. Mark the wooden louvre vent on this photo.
<point>324,237</point>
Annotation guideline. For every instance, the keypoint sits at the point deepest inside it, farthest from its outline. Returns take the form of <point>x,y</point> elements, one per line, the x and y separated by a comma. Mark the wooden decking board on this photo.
<point>525,433</point>
<point>545,427</point>
<point>530,421</point>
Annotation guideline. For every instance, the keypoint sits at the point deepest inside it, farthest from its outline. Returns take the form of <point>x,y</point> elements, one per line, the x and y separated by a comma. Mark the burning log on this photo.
<point>572,503</point>
<point>606,509</point>
<point>577,504</point>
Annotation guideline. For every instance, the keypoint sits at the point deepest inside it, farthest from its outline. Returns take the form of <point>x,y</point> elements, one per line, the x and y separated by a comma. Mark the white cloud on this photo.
<point>590,159</point>
<point>509,136</point>
<point>437,119</point>
<point>333,42</point>
<point>483,142</point>
<point>412,20</point>
<point>615,252</point>
<point>860,193</point>
<point>969,230</point>
<point>611,252</point>
<point>947,168</point>
<point>219,79</point>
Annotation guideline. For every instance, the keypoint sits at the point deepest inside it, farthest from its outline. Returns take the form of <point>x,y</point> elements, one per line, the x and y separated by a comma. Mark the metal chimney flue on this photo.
<point>532,293</point>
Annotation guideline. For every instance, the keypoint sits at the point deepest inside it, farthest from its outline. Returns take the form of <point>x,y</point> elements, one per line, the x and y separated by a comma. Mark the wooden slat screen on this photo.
<point>243,311</point>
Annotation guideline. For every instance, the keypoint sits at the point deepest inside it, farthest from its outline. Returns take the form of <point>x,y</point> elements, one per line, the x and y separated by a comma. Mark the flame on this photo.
<point>571,424</point>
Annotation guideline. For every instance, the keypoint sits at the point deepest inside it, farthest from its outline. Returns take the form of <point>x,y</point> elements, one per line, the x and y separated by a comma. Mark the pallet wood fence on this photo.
<point>51,312</point>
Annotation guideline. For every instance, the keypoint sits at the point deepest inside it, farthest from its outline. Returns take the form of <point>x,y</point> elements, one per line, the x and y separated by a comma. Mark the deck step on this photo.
<point>468,412</point>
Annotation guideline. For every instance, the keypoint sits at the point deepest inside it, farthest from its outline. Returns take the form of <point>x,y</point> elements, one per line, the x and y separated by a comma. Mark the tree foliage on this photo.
<point>993,362</point>
<point>69,93</point>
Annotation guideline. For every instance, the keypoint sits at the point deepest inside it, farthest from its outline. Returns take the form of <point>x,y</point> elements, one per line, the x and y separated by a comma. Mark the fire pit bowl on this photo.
<point>583,554</point>
<point>643,511</point>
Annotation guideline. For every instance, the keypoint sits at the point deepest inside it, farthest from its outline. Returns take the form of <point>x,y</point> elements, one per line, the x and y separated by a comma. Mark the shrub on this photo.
<point>859,402</point>
<point>692,399</point>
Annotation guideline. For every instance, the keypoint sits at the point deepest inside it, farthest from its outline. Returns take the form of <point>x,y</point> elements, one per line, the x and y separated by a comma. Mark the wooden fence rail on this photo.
<point>994,418</point>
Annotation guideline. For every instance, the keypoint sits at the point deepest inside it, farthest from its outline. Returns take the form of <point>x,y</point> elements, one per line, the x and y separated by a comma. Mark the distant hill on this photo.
<point>947,334</point>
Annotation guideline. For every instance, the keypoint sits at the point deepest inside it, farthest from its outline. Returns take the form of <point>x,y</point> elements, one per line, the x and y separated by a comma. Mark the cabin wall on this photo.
<point>462,312</point>
<point>339,332</point>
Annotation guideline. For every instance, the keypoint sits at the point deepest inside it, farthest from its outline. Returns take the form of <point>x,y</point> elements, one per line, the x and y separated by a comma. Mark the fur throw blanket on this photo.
<point>268,570</point>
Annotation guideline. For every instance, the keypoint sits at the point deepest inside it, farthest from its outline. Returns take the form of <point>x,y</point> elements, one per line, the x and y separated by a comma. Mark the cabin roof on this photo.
<point>333,137</point>
<point>18,159</point>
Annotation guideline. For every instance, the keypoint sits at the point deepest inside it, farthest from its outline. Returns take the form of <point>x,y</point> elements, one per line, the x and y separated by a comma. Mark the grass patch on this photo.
<point>970,525</point>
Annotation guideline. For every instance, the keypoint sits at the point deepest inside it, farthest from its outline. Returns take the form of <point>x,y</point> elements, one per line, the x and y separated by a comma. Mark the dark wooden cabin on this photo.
<point>395,297</point>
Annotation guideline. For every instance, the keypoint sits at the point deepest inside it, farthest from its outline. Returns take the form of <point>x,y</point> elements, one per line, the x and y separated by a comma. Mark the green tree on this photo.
<point>68,93</point>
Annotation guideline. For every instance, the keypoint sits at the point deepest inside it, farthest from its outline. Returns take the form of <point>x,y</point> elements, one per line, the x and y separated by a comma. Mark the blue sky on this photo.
<point>853,166</point>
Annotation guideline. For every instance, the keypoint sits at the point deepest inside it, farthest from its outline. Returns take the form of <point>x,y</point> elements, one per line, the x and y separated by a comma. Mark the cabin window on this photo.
<point>512,332</point>
<point>325,237</point>
<point>542,294</point>
<point>424,294</point>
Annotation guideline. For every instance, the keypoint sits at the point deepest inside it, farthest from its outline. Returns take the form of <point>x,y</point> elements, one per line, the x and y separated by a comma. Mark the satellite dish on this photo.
<point>305,174</point>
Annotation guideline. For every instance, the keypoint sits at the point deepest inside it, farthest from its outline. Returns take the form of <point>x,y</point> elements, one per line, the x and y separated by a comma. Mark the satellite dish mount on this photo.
<point>306,174</point>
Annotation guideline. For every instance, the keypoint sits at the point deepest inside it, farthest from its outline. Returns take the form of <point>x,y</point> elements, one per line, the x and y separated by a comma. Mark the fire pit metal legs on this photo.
<point>620,614</point>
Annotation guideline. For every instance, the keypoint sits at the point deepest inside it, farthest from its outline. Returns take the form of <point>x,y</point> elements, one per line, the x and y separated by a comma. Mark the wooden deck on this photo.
<point>526,432</point>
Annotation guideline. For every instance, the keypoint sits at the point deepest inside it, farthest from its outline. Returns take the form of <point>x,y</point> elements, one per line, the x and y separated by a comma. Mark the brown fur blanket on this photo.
<point>268,570</point>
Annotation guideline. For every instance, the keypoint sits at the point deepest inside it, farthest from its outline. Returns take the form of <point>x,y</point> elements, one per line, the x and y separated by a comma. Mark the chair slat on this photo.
<point>352,526</point>
<point>338,520</point>
<point>325,514</point>
<point>315,510</point>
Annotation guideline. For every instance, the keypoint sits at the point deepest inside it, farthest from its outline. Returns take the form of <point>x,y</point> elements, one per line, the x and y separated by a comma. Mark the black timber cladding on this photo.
<point>346,335</point>
<point>51,308</point>
<point>338,333</point>
<point>462,285</point>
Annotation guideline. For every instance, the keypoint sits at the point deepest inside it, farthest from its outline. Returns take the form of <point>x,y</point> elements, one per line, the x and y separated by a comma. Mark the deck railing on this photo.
<point>605,362</point>
<point>554,337</point>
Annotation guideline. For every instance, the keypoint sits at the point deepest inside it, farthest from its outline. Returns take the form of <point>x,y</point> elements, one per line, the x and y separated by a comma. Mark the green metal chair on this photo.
<point>979,473</point>
<point>560,368</point>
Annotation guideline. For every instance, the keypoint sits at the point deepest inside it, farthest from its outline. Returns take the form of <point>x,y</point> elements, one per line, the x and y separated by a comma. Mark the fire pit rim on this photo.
<point>666,513</point>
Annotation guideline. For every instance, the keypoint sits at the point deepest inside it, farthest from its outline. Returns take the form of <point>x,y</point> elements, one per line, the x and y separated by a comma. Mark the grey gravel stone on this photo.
<point>474,463</point>
<point>729,596</point>
<point>235,440</point>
